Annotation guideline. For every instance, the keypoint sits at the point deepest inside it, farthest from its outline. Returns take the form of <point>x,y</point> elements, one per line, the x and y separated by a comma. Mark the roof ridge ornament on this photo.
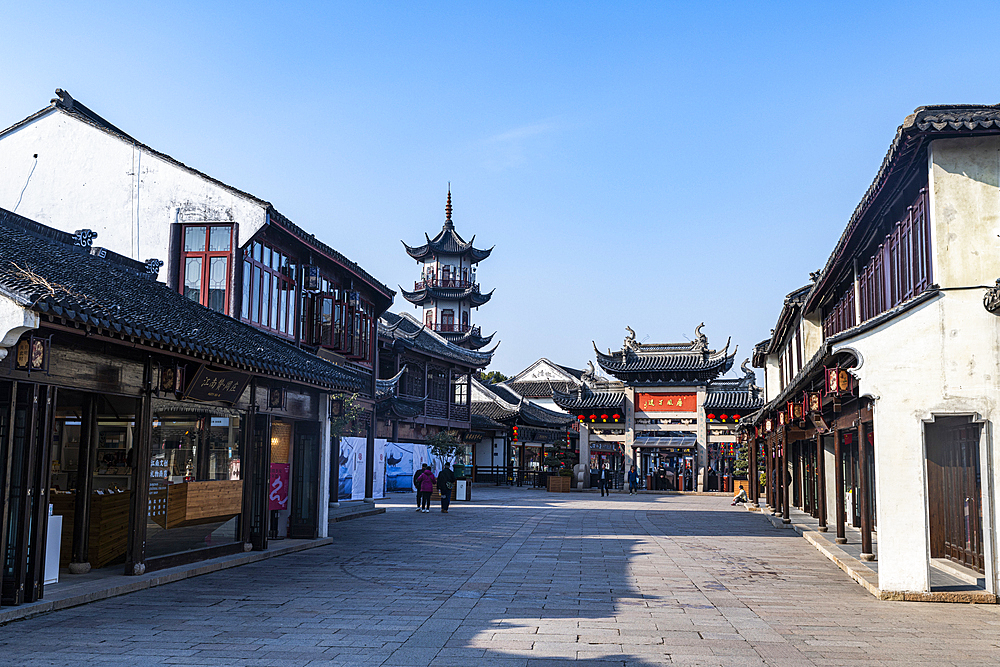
<point>629,343</point>
<point>700,343</point>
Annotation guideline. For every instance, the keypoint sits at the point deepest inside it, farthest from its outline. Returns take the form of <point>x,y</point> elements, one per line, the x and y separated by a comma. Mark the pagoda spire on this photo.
<point>447,207</point>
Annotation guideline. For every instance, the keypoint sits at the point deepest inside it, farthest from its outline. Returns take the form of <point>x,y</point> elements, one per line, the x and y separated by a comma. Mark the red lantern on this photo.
<point>616,417</point>
<point>604,417</point>
<point>723,417</point>
<point>710,416</point>
<point>593,418</point>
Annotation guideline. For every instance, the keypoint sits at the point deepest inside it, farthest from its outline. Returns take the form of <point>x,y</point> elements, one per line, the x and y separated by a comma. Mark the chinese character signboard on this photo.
<point>666,402</point>
<point>209,384</point>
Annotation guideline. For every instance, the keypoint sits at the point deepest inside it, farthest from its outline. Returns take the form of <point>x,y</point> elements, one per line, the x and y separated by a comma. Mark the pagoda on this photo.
<point>447,289</point>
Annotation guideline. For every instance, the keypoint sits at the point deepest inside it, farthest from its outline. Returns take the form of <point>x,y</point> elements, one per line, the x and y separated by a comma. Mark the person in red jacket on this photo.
<point>425,486</point>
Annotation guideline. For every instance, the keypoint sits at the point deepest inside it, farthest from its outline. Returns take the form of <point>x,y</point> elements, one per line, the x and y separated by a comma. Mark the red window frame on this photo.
<point>205,255</point>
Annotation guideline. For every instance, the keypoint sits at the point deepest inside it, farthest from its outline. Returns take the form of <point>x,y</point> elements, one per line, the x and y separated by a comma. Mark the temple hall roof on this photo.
<point>447,242</point>
<point>666,363</point>
<point>735,393</point>
<point>609,395</point>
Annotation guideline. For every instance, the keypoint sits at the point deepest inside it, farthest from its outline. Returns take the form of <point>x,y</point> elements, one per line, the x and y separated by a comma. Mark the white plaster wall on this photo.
<point>811,327</point>
<point>86,178</point>
<point>966,211</point>
<point>772,377</point>
<point>939,359</point>
<point>324,466</point>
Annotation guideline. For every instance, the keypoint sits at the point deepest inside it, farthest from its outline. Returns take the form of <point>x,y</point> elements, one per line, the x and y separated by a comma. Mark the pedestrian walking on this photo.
<point>446,485</point>
<point>633,481</point>
<point>425,487</point>
<point>604,481</point>
<point>417,486</point>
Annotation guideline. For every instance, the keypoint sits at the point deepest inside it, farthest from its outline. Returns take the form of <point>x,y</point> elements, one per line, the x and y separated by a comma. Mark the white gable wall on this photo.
<point>86,178</point>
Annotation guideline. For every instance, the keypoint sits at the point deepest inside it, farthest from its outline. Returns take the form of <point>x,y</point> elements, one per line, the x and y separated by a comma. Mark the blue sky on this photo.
<point>646,164</point>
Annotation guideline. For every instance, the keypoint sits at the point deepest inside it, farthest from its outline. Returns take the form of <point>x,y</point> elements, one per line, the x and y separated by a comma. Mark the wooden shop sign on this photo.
<point>209,384</point>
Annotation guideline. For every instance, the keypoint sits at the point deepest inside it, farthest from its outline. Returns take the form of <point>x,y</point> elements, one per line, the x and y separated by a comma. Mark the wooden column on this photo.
<point>87,463</point>
<point>821,482</point>
<point>135,554</point>
<point>863,481</point>
<point>839,484</point>
<point>42,475</point>
<point>783,478</point>
<point>752,467</point>
<point>769,475</point>
<point>7,450</point>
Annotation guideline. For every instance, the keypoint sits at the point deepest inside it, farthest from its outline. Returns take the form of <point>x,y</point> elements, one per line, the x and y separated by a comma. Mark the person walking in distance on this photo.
<point>446,485</point>
<point>633,481</point>
<point>425,486</point>
<point>416,485</point>
<point>604,481</point>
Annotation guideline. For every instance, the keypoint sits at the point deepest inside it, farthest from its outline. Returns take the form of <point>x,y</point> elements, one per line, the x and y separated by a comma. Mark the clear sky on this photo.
<point>650,164</point>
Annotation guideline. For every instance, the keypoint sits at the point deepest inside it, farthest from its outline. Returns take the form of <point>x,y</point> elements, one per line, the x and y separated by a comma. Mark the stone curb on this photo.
<point>868,578</point>
<point>357,515</point>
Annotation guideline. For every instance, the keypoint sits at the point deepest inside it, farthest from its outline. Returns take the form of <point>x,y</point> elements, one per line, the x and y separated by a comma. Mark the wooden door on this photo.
<point>303,523</point>
<point>955,492</point>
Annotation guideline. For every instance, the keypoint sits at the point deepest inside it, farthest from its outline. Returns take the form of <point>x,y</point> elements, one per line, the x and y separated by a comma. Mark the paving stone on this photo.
<point>524,578</point>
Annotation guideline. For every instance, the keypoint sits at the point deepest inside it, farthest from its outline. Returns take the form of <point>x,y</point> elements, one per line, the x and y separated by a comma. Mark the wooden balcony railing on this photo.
<point>445,282</point>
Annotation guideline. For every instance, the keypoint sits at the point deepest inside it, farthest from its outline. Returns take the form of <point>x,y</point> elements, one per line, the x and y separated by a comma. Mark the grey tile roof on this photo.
<point>41,269</point>
<point>428,294</point>
<point>484,423</point>
<point>588,398</point>
<point>735,393</point>
<point>507,406</point>
<point>447,242</point>
<point>411,333</point>
<point>472,339</point>
<point>646,363</point>
<point>539,388</point>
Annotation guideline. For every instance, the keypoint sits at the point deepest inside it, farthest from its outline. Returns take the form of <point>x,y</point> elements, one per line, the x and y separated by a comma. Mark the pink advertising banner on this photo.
<point>278,496</point>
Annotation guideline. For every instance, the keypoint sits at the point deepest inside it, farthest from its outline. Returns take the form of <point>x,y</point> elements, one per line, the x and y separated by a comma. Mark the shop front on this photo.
<point>132,449</point>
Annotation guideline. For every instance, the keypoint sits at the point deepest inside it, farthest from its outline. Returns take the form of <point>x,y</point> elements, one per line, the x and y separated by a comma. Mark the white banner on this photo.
<point>378,484</point>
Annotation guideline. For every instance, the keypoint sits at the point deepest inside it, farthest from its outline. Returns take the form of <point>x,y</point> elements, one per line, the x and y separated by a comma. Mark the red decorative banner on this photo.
<point>666,402</point>
<point>278,495</point>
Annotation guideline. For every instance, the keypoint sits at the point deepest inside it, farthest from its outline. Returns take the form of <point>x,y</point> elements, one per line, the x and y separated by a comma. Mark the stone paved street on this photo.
<point>522,578</point>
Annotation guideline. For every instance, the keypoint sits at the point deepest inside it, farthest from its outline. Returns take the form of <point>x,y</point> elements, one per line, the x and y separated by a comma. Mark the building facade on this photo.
<point>230,251</point>
<point>138,429</point>
<point>679,413</point>
<point>881,373</point>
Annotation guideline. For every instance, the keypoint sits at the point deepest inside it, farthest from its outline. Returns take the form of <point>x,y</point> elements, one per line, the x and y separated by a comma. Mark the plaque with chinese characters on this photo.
<point>666,402</point>
<point>209,384</point>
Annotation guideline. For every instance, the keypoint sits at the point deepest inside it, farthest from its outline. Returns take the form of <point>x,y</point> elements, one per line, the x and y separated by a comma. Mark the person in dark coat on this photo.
<point>417,486</point>
<point>604,481</point>
<point>633,481</point>
<point>425,487</point>
<point>446,486</point>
